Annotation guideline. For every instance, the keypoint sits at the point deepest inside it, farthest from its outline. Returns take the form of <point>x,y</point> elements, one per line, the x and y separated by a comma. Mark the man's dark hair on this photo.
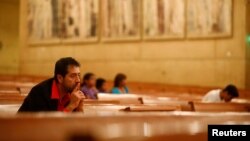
<point>118,79</point>
<point>87,76</point>
<point>231,90</point>
<point>61,66</point>
<point>99,83</point>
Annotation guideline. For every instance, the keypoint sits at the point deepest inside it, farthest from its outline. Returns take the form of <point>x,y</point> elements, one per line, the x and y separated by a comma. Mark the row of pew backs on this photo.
<point>135,87</point>
<point>143,126</point>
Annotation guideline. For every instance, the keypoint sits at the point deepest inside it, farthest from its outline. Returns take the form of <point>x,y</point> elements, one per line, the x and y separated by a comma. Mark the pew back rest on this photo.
<point>220,107</point>
<point>122,98</point>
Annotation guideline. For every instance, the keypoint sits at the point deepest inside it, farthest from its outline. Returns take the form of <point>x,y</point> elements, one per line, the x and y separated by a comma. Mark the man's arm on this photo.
<point>28,102</point>
<point>76,100</point>
<point>35,101</point>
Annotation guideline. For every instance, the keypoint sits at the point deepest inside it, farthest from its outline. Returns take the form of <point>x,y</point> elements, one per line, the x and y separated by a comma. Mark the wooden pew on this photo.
<point>91,101</point>
<point>122,127</point>
<point>151,108</point>
<point>220,107</point>
<point>99,109</point>
<point>169,90</point>
<point>156,103</point>
<point>146,104</point>
<point>13,98</point>
<point>180,103</point>
<point>240,100</point>
<point>9,108</point>
<point>22,78</point>
<point>153,105</point>
<point>179,137</point>
<point>9,92</point>
<point>126,101</point>
<point>122,98</point>
<point>14,84</point>
<point>24,82</point>
<point>23,88</point>
<point>114,106</point>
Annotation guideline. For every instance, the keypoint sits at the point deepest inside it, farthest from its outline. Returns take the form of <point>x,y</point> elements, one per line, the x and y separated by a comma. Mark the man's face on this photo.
<point>71,79</point>
<point>105,86</point>
<point>92,81</point>
<point>227,97</point>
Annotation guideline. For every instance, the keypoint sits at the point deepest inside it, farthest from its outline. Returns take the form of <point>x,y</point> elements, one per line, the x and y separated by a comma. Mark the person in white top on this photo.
<point>221,95</point>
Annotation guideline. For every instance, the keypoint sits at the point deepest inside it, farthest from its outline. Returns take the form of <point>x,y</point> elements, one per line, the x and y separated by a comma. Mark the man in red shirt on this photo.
<point>60,93</point>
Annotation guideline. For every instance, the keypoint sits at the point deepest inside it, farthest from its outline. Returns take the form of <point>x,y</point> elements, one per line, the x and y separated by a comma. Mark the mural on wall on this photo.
<point>62,19</point>
<point>163,18</point>
<point>209,18</point>
<point>58,21</point>
<point>79,19</point>
<point>43,20</point>
<point>120,19</point>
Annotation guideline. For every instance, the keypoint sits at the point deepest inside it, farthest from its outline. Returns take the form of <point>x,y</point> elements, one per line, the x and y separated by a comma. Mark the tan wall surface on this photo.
<point>203,62</point>
<point>248,46</point>
<point>9,23</point>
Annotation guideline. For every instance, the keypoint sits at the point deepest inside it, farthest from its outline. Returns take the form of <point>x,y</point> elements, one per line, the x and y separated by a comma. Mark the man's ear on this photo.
<point>59,78</point>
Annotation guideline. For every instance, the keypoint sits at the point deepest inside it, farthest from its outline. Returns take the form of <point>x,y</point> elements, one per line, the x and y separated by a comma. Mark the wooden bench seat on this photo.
<point>151,108</point>
<point>157,104</point>
<point>23,88</point>
<point>9,92</point>
<point>220,107</point>
<point>123,98</point>
<point>143,126</point>
<point>25,82</point>
<point>9,108</point>
<point>91,101</point>
<point>22,78</point>
<point>11,98</point>
<point>17,84</point>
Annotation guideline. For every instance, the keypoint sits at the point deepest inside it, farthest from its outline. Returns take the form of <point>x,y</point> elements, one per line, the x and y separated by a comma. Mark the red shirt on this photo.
<point>62,102</point>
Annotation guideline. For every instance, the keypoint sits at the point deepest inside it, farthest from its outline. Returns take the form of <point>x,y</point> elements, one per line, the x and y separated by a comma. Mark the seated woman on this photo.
<point>120,84</point>
<point>101,85</point>
<point>88,87</point>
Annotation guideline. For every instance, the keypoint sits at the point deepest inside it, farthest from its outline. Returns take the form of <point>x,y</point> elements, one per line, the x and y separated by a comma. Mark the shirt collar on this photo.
<point>54,91</point>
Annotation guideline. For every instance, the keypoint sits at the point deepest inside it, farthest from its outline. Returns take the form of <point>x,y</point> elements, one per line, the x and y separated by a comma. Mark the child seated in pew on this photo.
<point>88,86</point>
<point>225,95</point>
<point>101,85</point>
<point>120,84</point>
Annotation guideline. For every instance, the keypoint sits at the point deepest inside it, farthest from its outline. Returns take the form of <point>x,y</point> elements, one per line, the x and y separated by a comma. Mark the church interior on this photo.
<point>141,70</point>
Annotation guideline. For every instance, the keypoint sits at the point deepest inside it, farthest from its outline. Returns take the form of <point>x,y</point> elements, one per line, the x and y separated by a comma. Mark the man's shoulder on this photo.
<point>46,82</point>
<point>214,92</point>
<point>38,97</point>
<point>212,96</point>
<point>43,86</point>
